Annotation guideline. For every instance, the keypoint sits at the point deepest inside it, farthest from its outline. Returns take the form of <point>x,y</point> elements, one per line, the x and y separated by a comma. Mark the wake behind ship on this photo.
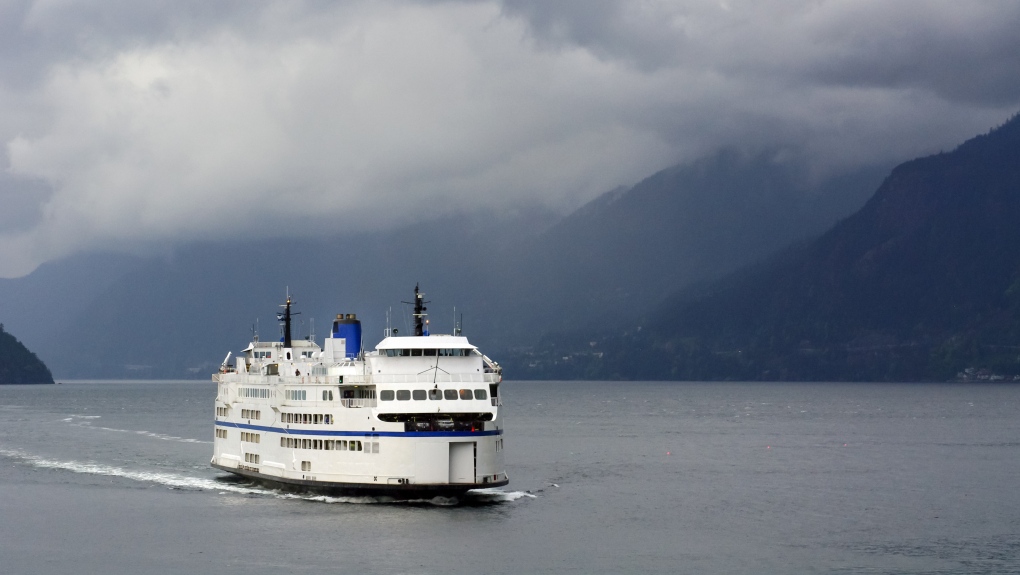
<point>420,414</point>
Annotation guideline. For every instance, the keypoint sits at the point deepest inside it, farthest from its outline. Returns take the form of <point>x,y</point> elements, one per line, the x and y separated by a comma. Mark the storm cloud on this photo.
<point>129,125</point>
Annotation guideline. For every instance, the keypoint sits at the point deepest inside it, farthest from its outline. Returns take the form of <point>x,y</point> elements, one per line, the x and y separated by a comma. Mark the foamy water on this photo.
<point>178,481</point>
<point>77,420</point>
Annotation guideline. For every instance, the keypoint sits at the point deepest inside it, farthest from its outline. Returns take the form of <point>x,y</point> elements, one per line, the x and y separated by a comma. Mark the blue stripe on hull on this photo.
<point>325,433</point>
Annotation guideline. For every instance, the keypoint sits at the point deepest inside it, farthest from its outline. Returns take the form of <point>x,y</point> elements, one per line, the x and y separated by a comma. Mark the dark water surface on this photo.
<point>604,478</point>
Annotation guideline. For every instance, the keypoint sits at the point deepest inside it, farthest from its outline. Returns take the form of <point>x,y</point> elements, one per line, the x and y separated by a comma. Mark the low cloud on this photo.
<point>129,126</point>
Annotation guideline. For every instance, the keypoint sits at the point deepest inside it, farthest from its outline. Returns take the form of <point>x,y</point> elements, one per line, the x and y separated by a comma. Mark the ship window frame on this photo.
<point>450,394</point>
<point>466,394</point>
<point>386,395</point>
<point>481,394</point>
<point>403,395</point>
<point>418,395</point>
<point>435,394</point>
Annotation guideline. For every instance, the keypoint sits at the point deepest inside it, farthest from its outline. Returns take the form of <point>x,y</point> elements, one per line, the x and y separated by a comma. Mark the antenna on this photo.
<point>285,317</point>
<point>419,311</point>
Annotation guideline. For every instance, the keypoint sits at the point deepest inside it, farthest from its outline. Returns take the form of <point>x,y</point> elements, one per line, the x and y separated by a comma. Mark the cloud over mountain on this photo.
<point>129,125</point>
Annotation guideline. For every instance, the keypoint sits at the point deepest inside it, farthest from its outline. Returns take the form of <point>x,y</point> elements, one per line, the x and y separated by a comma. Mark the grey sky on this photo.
<point>139,123</point>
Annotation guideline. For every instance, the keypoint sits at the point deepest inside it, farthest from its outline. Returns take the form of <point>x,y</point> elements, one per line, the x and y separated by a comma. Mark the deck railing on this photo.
<point>357,402</point>
<point>371,379</point>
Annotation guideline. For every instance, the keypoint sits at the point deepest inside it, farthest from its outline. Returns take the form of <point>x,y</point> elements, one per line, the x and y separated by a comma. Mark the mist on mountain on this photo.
<point>922,283</point>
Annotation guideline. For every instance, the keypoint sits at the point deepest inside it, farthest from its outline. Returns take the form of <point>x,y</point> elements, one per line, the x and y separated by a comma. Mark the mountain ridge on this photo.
<point>922,283</point>
<point>514,276</point>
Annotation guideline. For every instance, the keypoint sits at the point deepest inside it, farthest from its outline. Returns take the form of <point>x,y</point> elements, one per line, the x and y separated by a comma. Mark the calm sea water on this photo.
<point>605,478</point>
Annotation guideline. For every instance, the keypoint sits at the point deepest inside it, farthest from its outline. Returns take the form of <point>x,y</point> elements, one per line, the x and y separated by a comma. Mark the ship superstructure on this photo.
<point>420,413</point>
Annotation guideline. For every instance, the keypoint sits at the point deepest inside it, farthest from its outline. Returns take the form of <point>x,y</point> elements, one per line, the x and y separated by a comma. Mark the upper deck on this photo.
<point>417,359</point>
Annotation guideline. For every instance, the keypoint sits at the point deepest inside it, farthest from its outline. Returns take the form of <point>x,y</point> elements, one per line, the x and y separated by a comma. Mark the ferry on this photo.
<point>418,415</point>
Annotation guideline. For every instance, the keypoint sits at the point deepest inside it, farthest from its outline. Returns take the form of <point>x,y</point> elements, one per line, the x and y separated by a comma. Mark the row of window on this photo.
<point>251,458</point>
<point>251,437</point>
<point>262,354</point>
<point>327,395</point>
<point>433,394</point>
<point>222,411</point>
<point>499,444</point>
<point>251,414</point>
<point>330,444</point>
<point>307,418</point>
<point>221,433</point>
<point>428,352</point>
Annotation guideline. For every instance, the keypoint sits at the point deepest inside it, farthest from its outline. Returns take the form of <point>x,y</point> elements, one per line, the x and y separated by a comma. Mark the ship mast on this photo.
<point>285,317</point>
<point>419,311</point>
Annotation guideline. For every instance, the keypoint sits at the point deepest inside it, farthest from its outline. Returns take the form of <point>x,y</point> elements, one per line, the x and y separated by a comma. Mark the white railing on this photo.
<point>428,377</point>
